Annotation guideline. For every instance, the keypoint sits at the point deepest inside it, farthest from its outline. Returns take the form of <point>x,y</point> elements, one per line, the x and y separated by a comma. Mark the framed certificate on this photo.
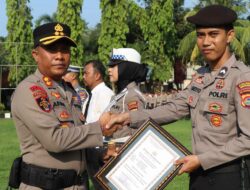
<point>145,161</point>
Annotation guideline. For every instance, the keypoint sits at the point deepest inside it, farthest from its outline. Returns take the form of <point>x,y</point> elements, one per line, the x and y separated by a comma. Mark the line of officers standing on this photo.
<point>58,146</point>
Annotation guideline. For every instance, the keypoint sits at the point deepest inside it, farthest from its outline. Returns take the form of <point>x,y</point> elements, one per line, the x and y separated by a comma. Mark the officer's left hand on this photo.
<point>190,163</point>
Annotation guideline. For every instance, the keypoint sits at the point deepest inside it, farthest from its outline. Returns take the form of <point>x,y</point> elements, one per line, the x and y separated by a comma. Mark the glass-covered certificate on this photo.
<point>145,161</point>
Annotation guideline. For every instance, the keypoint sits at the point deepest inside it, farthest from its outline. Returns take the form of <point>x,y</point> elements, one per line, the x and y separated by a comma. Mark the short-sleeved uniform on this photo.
<point>49,124</point>
<point>219,104</point>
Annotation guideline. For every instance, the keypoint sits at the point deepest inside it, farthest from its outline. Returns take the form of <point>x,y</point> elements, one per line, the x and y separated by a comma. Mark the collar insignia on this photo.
<point>47,81</point>
<point>223,71</point>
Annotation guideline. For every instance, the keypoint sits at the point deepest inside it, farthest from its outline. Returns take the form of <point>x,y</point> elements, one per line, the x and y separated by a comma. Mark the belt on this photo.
<point>50,178</point>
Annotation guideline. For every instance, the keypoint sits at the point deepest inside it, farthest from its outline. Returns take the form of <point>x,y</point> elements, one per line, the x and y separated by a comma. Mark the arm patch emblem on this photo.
<point>133,105</point>
<point>41,97</point>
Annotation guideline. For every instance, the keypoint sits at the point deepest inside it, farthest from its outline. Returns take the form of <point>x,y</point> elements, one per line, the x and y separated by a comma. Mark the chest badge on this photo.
<point>64,115</point>
<point>220,84</point>
<point>215,107</point>
<point>56,95</point>
<point>216,120</point>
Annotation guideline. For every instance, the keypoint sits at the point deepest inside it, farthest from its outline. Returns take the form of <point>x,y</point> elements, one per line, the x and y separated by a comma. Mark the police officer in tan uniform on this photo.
<point>48,117</point>
<point>218,100</point>
<point>126,71</point>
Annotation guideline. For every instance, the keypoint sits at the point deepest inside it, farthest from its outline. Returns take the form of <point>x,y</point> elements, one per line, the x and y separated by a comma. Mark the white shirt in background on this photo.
<point>101,96</point>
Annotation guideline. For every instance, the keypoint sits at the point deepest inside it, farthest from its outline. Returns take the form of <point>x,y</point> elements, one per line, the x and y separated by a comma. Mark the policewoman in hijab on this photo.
<point>126,72</point>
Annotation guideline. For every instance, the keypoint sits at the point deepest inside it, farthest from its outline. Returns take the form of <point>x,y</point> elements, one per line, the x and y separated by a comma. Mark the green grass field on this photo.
<point>9,149</point>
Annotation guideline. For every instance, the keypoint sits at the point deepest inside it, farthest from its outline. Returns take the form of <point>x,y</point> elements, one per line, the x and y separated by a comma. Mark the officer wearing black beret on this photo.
<point>218,101</point>
<point>213,16</point>
<point>48,118</point>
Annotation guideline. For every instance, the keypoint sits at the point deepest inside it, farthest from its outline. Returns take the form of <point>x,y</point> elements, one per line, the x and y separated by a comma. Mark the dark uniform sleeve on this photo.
<point>36,115</point>
<point>172,111</point>
<point>236,146</point>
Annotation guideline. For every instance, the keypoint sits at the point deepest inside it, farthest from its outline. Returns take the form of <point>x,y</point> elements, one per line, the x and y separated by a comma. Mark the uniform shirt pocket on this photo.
<point>216,114</point>
<point>64,116</point>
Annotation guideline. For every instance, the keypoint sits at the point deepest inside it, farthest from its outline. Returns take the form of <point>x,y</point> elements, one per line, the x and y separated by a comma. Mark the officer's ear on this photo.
<point>98,76</point>
<point>35,54</point>
<point>230,35</point>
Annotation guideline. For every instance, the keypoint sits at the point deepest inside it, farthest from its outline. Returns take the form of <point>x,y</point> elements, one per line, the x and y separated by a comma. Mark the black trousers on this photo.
<point>216,181</point>
<point>228,177</point>
<point>94,158</point>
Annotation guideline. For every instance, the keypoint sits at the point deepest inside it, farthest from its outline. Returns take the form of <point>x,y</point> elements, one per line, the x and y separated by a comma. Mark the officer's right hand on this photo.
<point>103,120</point>
<point>189,164</point>
<point>118,119</point>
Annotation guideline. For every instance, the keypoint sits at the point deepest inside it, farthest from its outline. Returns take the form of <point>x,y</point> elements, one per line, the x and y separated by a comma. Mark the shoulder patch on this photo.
<point>244,91</point>
<point>41,97</point>
<point>133,105</point>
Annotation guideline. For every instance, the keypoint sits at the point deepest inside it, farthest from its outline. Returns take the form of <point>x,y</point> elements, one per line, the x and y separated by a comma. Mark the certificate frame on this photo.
<point>111,177</point>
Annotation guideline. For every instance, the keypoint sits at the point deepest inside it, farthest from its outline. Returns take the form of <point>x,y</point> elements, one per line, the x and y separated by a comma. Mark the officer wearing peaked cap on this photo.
<point>217,100</point>
<point>48,118</point>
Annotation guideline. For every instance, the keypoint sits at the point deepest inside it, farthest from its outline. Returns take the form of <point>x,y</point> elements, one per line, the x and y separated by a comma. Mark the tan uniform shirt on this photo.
<point>48,120</point>
<point>218,103</point>
<point>130,99</point>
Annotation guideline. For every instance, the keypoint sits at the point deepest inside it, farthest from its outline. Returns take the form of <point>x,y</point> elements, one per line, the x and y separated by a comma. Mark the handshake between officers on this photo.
<point>48,118</point>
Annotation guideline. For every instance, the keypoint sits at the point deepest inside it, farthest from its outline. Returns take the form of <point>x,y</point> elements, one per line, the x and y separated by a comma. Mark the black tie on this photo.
<point>87,106</point>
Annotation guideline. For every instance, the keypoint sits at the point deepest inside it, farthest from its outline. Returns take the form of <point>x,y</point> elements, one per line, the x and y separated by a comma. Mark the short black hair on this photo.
<point>98,66</point>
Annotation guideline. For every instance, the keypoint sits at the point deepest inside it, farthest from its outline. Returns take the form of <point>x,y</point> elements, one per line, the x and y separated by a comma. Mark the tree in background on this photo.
<point>114,27</point>
<point>241,43</point>
<point>90,39</point>
<point>18,42</point>
<point>157,26</point>
<point>69,12</point>
<point>45,19</point>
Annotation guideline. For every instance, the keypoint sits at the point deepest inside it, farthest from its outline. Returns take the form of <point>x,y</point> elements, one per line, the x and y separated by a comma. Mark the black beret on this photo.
<point>51,32</point>
<point>213,15</point>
